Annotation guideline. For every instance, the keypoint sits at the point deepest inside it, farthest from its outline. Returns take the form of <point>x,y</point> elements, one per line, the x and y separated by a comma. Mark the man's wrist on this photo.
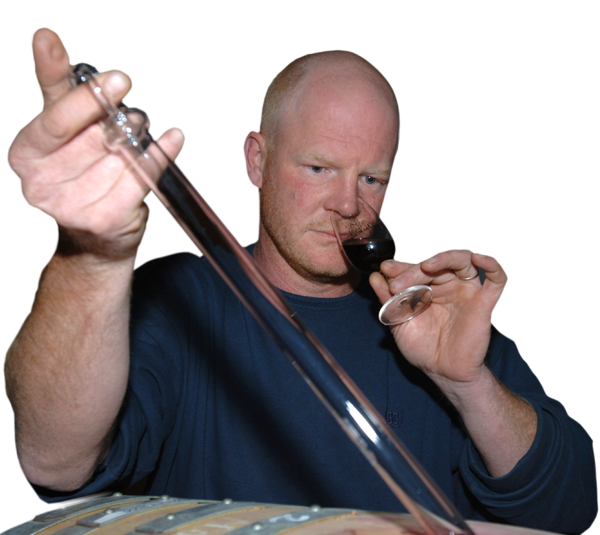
<point>463,395</point>
<point>77,243</point>
<point>501,424</point>
<point>88,269</point>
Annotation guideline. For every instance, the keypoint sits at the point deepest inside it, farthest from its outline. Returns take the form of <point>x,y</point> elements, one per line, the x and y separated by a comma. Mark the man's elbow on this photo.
<point>57,477</point>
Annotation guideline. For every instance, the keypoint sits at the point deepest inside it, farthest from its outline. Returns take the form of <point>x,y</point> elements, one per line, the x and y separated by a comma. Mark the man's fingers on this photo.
<point>51,65</point>
<point>150,168</point>
<point>66,111</point>
<point>401,275</point>
<point>393,268</point>
<point>464,265</point>
<point>80,108</point>
<point>68,116</point>
<point>457,261</point>
<point>493,270</point>
<point>171,142</point>
<point>380,286</point>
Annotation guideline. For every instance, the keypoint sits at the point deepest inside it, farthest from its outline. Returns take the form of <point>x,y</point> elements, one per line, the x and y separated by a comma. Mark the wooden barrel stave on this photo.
<point>162,515</point>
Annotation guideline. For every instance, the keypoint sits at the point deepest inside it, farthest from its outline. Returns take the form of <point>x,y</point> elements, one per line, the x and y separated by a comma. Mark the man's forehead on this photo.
<point>341,80</point>
<point>348,96</point>
<point>347,115</point>
<point>335,94</point>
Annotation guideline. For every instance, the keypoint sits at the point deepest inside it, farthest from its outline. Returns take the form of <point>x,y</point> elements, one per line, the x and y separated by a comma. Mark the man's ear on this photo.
<point>255,150</point>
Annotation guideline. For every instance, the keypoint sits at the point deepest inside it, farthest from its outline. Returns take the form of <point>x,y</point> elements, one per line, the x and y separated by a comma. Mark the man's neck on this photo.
<point>281,275</point>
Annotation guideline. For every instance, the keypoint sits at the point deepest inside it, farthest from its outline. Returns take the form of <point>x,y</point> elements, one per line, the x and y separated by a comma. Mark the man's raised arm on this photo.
<point>67,370</point>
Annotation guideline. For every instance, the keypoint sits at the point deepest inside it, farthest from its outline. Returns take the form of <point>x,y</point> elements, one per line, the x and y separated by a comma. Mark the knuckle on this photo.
<point>33,192</point>
<point>53,124</point>
<point>35,186</point>
<point>14,158</point>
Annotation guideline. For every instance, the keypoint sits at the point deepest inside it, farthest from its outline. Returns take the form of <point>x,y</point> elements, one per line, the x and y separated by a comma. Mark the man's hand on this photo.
<point>65,168</point>
<point>67,370</point>
<point>449,341</point>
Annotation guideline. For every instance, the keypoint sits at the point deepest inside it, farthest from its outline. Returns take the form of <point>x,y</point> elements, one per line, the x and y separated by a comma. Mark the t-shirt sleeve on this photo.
<point>554,483</point>
<point>157,344</point>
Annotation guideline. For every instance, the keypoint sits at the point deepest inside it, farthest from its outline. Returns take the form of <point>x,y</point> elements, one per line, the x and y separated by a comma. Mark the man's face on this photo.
<point>336,143</point>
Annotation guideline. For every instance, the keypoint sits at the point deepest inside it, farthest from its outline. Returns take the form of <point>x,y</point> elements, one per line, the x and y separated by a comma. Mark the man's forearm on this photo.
<point>501,424</point>
<point>67,370</point>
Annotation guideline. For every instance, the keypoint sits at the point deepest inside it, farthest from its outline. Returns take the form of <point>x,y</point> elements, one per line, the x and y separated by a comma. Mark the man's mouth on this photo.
<point>327,233</point>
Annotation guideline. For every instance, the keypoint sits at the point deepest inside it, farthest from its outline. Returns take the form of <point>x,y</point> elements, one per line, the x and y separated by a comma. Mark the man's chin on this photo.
<point>316,262</point>
<point>329,273</point>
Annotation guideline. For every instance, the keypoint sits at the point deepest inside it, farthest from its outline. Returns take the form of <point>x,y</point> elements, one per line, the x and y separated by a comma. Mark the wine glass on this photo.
<point>366,242</point>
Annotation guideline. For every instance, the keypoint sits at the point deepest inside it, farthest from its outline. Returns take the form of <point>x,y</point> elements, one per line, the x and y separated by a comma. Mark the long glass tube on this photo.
<point>126,132</point>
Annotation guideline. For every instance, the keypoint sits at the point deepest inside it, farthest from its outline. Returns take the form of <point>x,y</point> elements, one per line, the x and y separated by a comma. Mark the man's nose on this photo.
<point>343,198</point>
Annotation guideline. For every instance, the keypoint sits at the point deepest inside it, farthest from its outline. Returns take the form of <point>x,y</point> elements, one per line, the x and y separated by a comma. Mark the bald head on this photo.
<point>309,78</point>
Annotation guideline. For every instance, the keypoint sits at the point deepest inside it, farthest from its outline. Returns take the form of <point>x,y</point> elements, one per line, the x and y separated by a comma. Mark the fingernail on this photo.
<point>432,260</point>
<point>388,263</point>
<point>397,284</point>
<point>116,83</point>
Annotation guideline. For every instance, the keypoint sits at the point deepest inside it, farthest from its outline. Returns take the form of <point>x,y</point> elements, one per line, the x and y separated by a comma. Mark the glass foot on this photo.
<point>405,305</point>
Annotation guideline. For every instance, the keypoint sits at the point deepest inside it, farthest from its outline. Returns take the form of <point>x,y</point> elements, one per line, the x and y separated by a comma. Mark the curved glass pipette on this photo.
<point>126,132</point>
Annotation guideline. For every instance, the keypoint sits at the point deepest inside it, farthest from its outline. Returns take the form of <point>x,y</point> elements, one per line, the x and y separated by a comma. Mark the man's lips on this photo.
<point>328,234</point>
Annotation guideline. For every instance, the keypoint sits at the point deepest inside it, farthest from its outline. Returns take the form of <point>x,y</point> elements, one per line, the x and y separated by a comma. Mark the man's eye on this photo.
<point>316,169</point>
<point>370,180</point>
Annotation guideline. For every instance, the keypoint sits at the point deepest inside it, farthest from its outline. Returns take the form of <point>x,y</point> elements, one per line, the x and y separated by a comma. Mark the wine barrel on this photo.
<point>163,515</point>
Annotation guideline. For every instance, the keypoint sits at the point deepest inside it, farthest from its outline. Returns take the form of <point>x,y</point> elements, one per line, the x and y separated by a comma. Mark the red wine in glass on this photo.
<point>366,254</point>
<point>366,243</point>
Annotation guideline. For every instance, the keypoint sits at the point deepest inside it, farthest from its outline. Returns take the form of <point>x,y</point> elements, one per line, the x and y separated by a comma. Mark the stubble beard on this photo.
<point>275,222</point>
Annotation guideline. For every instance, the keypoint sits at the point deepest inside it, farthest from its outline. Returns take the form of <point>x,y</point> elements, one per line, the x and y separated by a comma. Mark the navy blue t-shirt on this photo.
<point>214,410</point>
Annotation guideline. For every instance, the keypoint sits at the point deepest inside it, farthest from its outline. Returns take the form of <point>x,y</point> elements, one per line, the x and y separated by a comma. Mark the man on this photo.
<point>179,384</point>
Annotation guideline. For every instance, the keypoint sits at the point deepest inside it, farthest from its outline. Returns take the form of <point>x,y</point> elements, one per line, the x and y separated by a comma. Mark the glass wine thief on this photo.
<point>126,132</point>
